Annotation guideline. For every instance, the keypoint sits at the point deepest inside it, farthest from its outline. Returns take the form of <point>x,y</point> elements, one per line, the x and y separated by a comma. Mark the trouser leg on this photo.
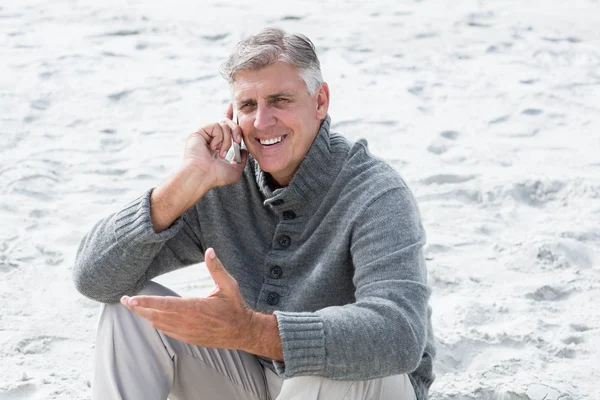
<point>135,361</point>
<point>396,387</point>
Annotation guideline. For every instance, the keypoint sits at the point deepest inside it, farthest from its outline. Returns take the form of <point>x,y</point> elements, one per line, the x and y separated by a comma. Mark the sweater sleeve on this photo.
<point>123,252</point>
<point>384,332</point>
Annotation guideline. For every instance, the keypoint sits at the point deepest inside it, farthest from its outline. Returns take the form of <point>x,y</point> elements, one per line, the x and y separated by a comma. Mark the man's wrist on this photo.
<point>180,191</point>
<point>262,337</point>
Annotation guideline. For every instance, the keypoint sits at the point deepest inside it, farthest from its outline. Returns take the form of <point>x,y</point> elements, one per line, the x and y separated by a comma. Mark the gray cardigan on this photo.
<point>336,256</point>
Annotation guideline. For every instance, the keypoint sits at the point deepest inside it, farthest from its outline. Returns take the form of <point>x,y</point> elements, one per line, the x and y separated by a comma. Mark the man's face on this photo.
<point>278,117</point>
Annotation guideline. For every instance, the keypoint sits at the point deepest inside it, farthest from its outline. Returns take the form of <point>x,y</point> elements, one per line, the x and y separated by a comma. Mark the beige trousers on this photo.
<point>135,361</point>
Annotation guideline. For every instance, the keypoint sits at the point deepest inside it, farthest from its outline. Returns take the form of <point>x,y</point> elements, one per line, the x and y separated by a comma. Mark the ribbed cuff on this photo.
<point>134,231</point>
<point>303,340</point>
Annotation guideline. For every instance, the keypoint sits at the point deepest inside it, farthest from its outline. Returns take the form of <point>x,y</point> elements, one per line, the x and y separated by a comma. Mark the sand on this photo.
<point>489,109</point>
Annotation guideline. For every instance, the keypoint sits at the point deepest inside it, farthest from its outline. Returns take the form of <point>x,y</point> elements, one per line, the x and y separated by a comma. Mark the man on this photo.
<point>320,280</point>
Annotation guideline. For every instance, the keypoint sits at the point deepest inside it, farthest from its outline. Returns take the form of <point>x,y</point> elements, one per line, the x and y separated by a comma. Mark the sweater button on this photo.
<point>278,202</point>
<point>272,298</point>
<point>285,241</point>
<point>276,272</point>
<point>289,214</point>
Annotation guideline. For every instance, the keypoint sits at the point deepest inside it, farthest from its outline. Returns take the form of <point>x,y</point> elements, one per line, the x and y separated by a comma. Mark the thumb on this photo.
<point>217,271</point>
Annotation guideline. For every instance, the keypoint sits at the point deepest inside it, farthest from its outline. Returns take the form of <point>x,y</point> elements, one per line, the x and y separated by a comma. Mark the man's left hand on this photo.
<point>220,320</point>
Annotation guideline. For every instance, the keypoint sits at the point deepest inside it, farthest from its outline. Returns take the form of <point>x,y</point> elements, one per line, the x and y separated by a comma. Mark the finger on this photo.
<point>156,316</point>
<point>217,271</point>
<point>229,111</point>
<point>216,134</point>
<point>201,132</point>
<point>241,165</point>
<point>226,139</point>
<point>161,303</point>
<point>236,130</point>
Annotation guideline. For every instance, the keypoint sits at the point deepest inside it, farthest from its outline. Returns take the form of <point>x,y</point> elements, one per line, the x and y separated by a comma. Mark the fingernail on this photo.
<point>124,300</point>
<point>134,302</point>
<point>212,255</point>
<point>223,154</point>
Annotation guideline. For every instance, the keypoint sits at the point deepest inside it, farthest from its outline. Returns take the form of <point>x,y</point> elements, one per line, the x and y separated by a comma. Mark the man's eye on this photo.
<point>280,100</point>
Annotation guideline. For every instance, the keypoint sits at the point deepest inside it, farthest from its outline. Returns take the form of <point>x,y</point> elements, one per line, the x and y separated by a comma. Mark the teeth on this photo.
<point>271,141</point>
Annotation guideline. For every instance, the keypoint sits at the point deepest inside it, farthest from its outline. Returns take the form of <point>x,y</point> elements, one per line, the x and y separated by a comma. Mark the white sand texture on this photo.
<point>489,109</point>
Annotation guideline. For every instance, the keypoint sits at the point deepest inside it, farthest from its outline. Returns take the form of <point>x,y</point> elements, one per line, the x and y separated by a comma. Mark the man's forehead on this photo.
<point>264,83</point>
<point>264,89</point>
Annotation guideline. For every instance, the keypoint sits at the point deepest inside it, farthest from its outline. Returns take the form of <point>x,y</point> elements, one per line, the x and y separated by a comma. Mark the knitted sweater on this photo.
<point>336,256</point>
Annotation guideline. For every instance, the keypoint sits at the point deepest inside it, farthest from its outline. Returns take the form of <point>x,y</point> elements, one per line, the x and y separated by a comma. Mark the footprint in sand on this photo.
<point>455,195</point>
<point>580,327</point>
<point>568,39</point>
<point>443,142</point>
<point>40,104</point>
<point>450,135</point>
<point>572,339</point>
<point>426,35</point>
<point>480,19</point>
<point>442,179</point>
<point>123,32</point>
<point>500,119</point>
<point>566,253</point>
<point>548,293</point>
<point>7,263</point>
<point>292,18</point>
<point>532,392</point>
<point>18,392</point>
<point>528,81</point>
<point>532,111</point>
<point>113,144</point>
<point>500,47</point>
<point>37,344</point>
<point>523,124</point>
<point>216,37</point>
<point>118,96</point>
<point>51,257</point>
<point>534,193</point>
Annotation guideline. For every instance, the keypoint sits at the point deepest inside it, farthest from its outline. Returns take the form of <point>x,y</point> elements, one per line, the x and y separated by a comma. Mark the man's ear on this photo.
<point>322,100</point>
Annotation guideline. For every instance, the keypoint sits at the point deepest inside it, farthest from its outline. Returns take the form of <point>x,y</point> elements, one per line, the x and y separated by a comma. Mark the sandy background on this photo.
<point>489,109</point>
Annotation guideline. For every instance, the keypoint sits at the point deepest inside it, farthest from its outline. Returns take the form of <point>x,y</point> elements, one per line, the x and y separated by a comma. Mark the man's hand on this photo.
<point>220,320</point>
<point>204,166</point>
<point>206,149</point>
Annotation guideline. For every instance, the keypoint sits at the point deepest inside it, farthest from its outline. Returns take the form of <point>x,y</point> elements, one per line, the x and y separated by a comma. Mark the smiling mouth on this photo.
<point>272,141</point>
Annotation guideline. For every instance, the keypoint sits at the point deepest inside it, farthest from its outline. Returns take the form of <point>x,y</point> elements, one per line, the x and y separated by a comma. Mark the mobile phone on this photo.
<point>236,147</point>
<point>236,153</point>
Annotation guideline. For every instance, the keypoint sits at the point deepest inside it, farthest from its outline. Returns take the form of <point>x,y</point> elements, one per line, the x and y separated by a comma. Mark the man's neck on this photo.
<point>273,183</point>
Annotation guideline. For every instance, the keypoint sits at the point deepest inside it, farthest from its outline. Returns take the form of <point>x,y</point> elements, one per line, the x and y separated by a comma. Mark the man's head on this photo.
<point>279,93</point>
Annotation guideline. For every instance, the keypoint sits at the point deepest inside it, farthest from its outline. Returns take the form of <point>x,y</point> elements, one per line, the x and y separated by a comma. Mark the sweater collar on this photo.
<point>312,179</point>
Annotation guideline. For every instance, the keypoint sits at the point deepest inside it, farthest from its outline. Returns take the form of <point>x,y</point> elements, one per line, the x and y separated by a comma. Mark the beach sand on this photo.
<point>490,110</point>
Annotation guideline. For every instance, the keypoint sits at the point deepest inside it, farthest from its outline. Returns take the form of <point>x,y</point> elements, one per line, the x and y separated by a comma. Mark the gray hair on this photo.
<point>271,45</point>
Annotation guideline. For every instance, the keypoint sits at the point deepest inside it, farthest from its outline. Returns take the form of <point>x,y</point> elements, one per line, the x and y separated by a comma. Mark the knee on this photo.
<point>116,311</point>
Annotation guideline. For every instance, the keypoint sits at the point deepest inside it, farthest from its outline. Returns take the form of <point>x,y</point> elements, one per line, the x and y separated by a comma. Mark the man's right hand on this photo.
<point>203,167</point>
<point>205,150</point>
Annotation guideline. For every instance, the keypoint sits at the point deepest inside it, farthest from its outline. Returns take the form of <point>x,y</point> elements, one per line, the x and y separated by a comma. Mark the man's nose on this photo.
<point>263,118</point>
